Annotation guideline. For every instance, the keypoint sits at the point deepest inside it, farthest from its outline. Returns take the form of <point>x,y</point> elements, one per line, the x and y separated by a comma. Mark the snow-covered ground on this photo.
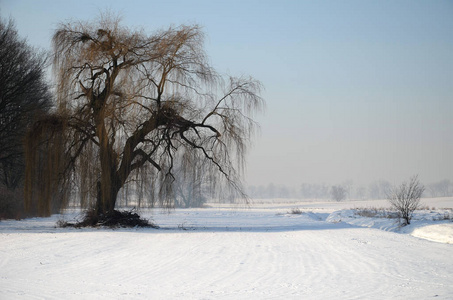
<point>234,252</point>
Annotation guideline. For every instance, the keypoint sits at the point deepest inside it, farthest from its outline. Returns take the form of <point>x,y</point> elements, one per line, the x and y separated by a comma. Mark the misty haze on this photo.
<point>226,149</point>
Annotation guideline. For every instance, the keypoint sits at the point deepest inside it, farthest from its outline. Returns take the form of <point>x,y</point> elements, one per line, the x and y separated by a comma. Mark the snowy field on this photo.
<point>235,252</point>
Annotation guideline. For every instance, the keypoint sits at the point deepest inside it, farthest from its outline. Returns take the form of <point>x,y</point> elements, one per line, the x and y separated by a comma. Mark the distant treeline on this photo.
<point>375,190</point>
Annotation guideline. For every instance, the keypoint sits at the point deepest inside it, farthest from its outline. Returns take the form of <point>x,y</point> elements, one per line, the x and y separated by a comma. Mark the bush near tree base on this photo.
<point>112,220</point>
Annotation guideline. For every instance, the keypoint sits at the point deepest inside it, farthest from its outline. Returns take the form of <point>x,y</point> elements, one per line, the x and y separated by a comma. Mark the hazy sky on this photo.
<point>355,90</point>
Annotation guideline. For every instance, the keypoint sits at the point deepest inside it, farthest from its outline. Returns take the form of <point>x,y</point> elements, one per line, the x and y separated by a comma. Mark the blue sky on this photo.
<point>355,90</point>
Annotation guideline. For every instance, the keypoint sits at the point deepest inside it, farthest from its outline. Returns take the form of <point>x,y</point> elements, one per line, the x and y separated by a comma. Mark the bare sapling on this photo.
<point>405,199</point>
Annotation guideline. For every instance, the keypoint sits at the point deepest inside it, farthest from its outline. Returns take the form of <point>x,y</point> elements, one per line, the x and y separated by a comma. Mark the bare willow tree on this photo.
<point>132,107</point>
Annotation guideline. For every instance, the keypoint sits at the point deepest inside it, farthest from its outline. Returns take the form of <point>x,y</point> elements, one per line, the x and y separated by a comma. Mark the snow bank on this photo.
<point>442,233</point>
<point>432,225</point>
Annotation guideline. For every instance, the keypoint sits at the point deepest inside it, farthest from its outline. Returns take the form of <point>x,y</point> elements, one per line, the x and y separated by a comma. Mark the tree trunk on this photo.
<point>109,184</point>
<point>106,197</point>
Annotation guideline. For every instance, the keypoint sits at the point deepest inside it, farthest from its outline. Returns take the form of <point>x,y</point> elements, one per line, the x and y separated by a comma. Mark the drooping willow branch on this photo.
<point>147,107</point>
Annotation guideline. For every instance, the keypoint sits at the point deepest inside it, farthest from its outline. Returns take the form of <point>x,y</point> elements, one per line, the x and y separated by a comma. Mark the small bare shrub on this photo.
<point>184,226</point>
<point>425,207</point>
<point>447,216</point>
<point>295,211</point>
<point>63,224</point>
<point>406,198</point>
<point>375,212</point>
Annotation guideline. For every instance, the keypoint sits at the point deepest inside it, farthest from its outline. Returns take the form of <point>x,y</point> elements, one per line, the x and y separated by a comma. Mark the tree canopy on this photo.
<point>136,112</point>
<point>24,95</point>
